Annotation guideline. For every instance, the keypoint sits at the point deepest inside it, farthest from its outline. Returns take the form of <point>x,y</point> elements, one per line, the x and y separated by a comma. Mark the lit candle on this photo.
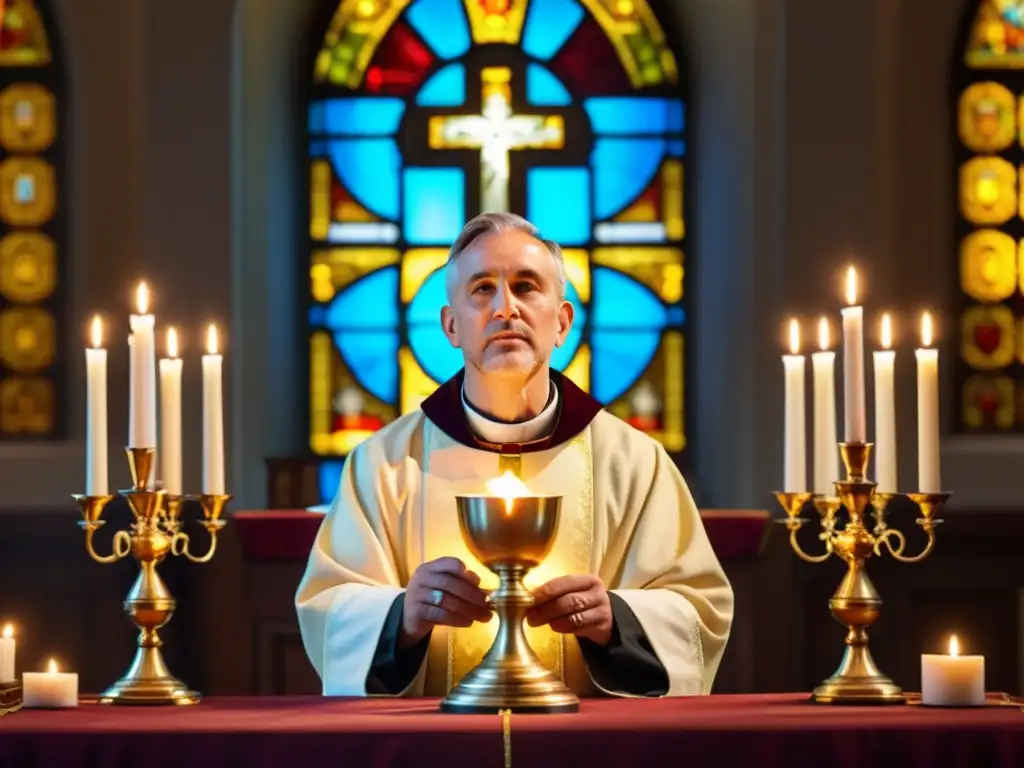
<point>170,415</point>
<point>96,413</point>
<point>928,474</point>
<point>50,689</point>
<point>7,647</point>
<point>142,374</point>
<point>953,680</point>
<point>213,417</point>
<point>826,451</point>
<point>795,450</point>
<point>885,411</point>
<point>855,429</point>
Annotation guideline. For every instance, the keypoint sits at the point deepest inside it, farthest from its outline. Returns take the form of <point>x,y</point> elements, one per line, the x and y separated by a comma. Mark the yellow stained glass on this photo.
<point>496,21</point>
<point>1020,340</point>
<point>996,37</point>
<point>353,35</point>
<point>988,190</point>
<point>987,337</point>
<point>672,198</point>
<point>674,437</point>
<point>24,38</point>
<point>638,39</point>
<point>986,117</point>
<point>319,199</point>
<point>417,266</point>
<point>320,393</point>
<point>577,271</point>
<point>655,403</point>
<point>28,121</point>
<point>27,339</point>
<point>28,193</point>
<point>27,406</point>
<point>28,267</point>
<point>331,269</point>
<point>659,268</point>
<point>578,370</point>
<point>988,265</point>
<point>988,401</point>
<point>417,386</point>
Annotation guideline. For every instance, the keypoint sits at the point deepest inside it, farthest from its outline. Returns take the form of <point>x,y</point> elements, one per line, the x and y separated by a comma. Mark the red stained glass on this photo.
<point>400,63</point>
<point>588,63</point>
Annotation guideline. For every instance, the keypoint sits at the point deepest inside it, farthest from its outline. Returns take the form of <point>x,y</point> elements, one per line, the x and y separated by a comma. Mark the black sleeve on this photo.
<point>393,668</point>
<point>628,664</point>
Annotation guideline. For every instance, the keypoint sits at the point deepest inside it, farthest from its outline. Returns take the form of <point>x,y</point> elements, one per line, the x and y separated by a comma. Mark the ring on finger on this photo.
<point>436,597</point>
<point>577,620</point>
<point>580,603</point>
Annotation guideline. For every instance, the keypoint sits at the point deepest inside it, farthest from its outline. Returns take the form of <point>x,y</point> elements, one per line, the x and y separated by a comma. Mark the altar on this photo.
<point>763,730</point>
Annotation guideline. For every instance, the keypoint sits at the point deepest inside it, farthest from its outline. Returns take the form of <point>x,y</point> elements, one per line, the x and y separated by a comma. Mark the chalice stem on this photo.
<point>511,600</point>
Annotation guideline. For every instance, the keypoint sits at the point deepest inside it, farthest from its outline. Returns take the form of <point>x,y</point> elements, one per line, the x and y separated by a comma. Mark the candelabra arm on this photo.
<point>213,506</point>
<point>793,503</point>
<point>92,509</point>
<point>803,555</point>
<point>897,552</point>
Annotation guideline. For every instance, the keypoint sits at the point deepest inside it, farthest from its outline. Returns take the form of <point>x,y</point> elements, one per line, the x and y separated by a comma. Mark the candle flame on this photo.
<point>794,337</point>
<point>8,630</point>
<point>851,285</point>
<point>954,646</point>
<point>886,331</point>
<point>211,340</point>
<point>97,332</point>
<point>172,342</point>
<point>52,667</point>
<point>926,330</point>
<point>508,487</point>
<point>142,298</point>
<point>823,334</point>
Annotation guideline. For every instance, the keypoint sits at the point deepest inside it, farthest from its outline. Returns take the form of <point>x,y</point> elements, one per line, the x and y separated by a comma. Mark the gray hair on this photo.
<point>493,223</point>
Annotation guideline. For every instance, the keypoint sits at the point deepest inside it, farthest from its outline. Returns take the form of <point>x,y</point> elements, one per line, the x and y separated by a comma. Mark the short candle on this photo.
<point>50,689</point>
<point>953,680</point>
<point>7,646</point>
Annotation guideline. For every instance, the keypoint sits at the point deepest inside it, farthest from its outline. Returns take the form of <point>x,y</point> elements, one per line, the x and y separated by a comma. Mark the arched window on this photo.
<point>425,113</point>
<point>990,167</point>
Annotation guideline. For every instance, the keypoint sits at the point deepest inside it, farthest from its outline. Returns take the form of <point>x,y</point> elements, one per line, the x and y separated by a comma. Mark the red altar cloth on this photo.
<point>743,730</point>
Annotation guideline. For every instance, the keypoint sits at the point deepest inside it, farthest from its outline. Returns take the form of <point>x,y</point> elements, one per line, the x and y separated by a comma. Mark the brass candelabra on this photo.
<point>153,535</point>
<point>856,603</point>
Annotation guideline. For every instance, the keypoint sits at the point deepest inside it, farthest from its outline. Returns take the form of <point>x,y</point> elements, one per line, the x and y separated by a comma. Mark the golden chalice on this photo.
<point>510,536</point>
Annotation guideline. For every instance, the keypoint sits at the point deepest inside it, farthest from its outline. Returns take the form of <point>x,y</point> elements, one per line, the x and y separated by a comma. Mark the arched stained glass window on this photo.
<point>424,114</point>
<point>31,231</point>
<point>990,238</point>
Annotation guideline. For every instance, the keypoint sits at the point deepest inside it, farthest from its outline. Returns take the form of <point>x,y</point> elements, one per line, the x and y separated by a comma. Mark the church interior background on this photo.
<point>295,171</point>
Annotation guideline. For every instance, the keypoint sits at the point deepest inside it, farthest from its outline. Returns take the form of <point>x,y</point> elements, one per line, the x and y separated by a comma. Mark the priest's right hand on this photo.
<point>443,592</point>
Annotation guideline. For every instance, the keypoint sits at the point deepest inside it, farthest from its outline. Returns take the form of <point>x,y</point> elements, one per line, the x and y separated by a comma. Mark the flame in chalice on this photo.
<point>954,646</point>
<point>508,487</point>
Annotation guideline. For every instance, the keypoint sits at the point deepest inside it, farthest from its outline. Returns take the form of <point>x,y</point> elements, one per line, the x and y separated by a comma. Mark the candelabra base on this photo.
<point>858,681</point>
<point>149,682</point>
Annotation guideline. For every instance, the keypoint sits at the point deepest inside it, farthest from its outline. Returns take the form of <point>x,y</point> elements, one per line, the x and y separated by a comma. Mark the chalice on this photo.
<point>510,536</point>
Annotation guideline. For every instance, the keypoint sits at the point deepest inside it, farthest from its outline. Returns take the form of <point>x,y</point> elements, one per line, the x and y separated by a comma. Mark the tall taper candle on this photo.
<point>928,473</point>
<point>826,451</point>
<point>170,415</point>
<point>885,412</point>
<point>96,413</point>
<point>142,398</point>
<point>855,427</point>
<point>795,449</point>
<point>213,417</point>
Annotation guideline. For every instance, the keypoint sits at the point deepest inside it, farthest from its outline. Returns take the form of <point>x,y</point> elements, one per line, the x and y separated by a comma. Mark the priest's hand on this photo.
<point>444,592</point>
<point>577,605</point>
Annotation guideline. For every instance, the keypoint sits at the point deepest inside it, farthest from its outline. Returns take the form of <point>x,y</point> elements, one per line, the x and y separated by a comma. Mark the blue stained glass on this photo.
<point>425,307</point>
<point>548,25</point>
<point>369,170</point>
<point>442,24</point>
<point>372,356</point>
<point>675,316</point>
<point>558,203</point>
<point>330,480</point>
<point>361,116</point>
<point>623,168</point>
<point>563,355</point>
<point>317,315</point>
<point>634,114</point>
<point>676,147</point>
<point>367,304</point>
<point>445,88</point>
<point>434,203</point>
<point>618,360</point>
<point>438,358</point>
<point>317,148</point>
<point>620,302</point>
<point>543,89</point>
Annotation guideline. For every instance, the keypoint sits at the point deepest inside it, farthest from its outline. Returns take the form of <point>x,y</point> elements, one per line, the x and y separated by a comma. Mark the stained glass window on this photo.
<point>423,114</point>
<point>31,234</point>
<point>990,239</point>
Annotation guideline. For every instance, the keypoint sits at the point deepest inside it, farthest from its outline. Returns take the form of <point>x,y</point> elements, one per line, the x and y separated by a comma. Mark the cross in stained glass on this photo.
<point>496,132</point>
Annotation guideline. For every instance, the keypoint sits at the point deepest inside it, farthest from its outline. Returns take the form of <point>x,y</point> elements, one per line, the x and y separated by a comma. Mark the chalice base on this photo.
<point>519,685</point>
<point>149,682</point>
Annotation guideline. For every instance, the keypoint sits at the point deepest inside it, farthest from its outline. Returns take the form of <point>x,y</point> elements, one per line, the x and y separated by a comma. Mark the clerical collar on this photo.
<point>518,432</point>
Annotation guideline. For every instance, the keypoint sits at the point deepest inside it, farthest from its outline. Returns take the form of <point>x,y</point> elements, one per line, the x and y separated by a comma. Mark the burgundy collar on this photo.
<point>575,410</point>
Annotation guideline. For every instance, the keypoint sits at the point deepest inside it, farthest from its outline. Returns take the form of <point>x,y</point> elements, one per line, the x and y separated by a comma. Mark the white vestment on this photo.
<point>627,516</point>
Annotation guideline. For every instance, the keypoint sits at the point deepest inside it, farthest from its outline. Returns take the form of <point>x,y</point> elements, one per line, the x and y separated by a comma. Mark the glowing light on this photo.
<point>508,487</point>
<point>927,331</point>
<point>8,630</point>
<point>97,332</point>
<point>52,667</point>
<point>886,331</point>
<point>142,298</point>
<point>794,337</point>
<point>211,340</point>
<point>824,339</point>
<point>172,342</point>
<point>851,285</point>
<point>954,646</point>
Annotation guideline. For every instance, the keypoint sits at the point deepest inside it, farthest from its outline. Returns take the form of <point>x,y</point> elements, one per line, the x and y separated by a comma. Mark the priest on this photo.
<point>631,600</point>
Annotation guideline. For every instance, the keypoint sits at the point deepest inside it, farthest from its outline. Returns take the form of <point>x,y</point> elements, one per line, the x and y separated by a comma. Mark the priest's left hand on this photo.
<point>577,605</point>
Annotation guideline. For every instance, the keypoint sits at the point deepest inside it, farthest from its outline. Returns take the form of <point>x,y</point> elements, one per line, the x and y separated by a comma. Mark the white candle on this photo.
<point>885,412</point>
<point>826,449</point>
<point>96,414</point>
<point>170,415</point>
<point>795,450</point>
<point>50,689</point>
<point>7,652</point>
<point>855,428</point>
<point>213,417</point>
<point>142,398</point>
<point>928,473</point>
<point>953,680</point>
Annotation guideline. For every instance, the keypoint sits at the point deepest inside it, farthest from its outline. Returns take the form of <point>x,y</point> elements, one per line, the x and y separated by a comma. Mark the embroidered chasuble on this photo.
<point>626,516</point>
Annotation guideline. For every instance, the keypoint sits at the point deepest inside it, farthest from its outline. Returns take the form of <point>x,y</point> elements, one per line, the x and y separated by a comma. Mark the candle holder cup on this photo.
<point>856,603</point>
<point>154,534</point>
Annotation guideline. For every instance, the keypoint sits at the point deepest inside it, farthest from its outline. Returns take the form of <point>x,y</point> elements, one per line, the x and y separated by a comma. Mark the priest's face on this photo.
<point>507,313</point>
